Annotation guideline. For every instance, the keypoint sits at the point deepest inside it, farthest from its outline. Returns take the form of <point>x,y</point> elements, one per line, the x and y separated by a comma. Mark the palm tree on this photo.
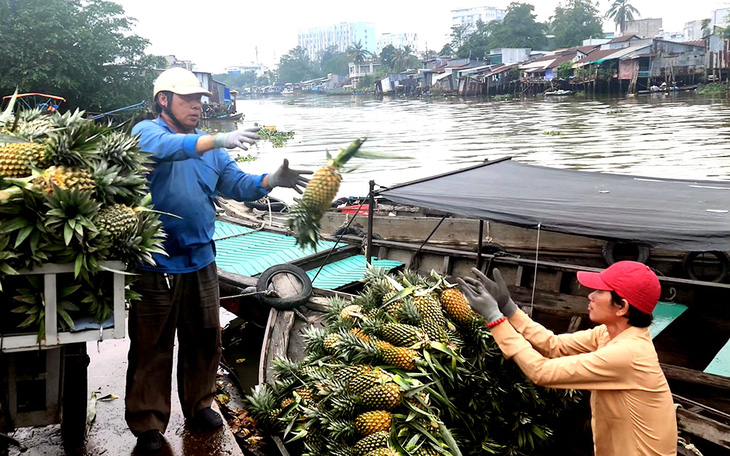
<point>622,12</point>
<point>357,53</point>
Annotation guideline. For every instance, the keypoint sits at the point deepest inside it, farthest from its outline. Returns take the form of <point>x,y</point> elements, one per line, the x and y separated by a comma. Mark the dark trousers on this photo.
<point>188,303</point>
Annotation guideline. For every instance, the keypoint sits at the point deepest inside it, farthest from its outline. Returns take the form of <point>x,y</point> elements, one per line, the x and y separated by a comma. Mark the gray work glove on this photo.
<point>237,138</point>
<point>498,289</point>
<point>480,300</point>
<point>286,177</point>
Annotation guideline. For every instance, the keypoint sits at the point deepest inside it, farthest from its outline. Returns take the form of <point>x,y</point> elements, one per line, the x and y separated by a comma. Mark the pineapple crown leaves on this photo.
<point>353,150</point>
<point>354,349</point>
<point>7,114</point>
<point>73,211</point>
<point>121,150</point>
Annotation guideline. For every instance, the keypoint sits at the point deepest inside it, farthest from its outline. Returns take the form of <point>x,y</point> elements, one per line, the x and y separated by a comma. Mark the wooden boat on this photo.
<point>236,116</point>
<point>692,328</point>
<point>558,93</point>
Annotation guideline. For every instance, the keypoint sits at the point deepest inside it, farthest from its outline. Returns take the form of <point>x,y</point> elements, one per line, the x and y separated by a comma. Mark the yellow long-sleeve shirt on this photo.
<point>631,405</point>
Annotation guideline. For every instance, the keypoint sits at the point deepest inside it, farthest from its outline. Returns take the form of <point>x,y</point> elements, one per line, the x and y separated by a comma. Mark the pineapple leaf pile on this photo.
<point>407,367</point>
<point>71,191</point>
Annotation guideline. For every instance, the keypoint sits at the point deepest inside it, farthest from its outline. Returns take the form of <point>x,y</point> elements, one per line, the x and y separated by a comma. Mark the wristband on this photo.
<point>496,322</point>
<point>219,140</point>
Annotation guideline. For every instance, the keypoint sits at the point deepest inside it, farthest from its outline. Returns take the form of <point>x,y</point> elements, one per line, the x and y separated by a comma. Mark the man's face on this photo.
<point>601,309</point>
<point>186,109</point>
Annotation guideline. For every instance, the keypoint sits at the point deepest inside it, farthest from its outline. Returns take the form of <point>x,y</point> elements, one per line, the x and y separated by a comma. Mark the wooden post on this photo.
<point>480,242</point>
<point>371,217</point>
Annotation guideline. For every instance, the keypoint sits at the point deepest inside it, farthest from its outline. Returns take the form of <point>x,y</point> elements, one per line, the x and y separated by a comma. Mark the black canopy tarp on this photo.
<point>688,215</point>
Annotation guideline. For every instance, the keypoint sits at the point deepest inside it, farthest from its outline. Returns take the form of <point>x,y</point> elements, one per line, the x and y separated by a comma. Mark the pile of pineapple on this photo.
<point>71,191</point>
<point>407,367</point>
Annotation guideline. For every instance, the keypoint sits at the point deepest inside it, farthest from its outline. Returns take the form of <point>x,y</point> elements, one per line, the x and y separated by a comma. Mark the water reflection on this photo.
<point>682,135</point>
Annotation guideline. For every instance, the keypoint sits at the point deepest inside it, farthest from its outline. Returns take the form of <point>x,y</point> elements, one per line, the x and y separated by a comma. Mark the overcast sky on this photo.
<point>217,33</point>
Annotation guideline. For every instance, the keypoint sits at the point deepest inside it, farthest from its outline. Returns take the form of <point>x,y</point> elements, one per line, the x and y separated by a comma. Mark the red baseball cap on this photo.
<point>632,280</point>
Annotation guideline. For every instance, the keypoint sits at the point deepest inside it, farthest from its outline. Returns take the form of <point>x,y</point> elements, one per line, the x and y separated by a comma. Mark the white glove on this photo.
<point>238,138</point>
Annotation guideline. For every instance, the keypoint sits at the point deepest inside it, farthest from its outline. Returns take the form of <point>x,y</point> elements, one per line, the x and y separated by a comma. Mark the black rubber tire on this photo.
<point>350,231</point>
<point>610,248</point>
<point>277,205</point>
<point>75,395</point>
<point>491,248</point>
<point>289,302</point>
<point>688,264</point>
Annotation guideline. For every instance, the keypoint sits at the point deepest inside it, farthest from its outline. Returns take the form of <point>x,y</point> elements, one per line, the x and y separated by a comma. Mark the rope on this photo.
<point>413,261</point>
<point>534,275</point>
<point>324,263</point>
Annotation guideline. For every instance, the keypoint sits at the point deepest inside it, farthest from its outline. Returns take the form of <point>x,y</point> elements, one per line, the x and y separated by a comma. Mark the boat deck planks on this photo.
<point>720,364</point>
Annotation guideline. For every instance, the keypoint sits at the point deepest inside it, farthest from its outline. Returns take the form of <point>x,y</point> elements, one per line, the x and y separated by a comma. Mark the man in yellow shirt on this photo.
<point>632,408</point>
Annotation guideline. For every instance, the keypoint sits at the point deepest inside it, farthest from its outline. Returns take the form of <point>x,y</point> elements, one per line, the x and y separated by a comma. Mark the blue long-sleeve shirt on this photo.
<point>185,184</point>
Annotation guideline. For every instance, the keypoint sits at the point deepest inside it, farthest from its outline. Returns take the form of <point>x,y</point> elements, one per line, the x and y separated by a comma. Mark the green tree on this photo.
<point>388,55</point>
<point>83,51</point>
<point>447,50</point>
<point>404,59</point>
<point>295,66</point>
<point>357,53</point>
<point>621,11</point>
<point>333,61</point>
<point>519,29</point>
<point>576,21</point>
<point>476,45</point>
<point>459,35</point>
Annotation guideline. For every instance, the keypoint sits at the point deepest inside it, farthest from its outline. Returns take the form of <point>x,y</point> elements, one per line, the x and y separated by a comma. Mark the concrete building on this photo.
<point>645,28</point>
<point>470,16</point>
<point>240,69</point>
<point>342,36</point>
<point>398,40</point>
<point>695,30</point>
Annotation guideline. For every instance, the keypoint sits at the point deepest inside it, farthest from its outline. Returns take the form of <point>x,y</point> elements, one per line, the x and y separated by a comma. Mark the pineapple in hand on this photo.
<point>305,217</point>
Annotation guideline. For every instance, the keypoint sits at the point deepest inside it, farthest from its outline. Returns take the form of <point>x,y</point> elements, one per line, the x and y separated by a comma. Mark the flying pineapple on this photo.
<point>322,188</point>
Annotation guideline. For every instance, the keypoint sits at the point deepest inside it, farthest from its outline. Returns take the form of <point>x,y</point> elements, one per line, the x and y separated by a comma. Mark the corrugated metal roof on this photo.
<point>346,271</point>
<point>252,253</point>
<point>607,54</point>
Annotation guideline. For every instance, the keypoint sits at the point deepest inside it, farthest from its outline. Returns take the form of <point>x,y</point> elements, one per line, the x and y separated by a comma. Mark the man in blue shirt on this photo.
<point>181,291</point>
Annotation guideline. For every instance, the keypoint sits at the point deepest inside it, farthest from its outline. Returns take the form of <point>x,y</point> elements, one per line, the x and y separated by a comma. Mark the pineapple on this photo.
<point>117,220</point>
<point>64,177</point>
<point>403,335</point>
<point>383,452</point>
<point>429,308</point>
<point>372,443</point>
<point>330,341</point>
<point>434,330</point>
<point>351,313</point>
<point>322,188</point>
<point>382,397</point>
<point>400,357</point>
<point>305,393</point>
<point>456,306</point>
<point>360,335</point>
<point>347,373</point>
<point>17,160</point>
<point>371,422</point>
<point>287,402</point>
<point>364,382</point>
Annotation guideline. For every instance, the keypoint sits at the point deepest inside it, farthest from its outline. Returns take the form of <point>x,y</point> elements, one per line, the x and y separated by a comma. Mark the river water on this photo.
<point>682,135</point>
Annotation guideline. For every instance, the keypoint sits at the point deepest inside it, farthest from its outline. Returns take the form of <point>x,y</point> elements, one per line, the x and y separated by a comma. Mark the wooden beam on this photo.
<point>695,377</point>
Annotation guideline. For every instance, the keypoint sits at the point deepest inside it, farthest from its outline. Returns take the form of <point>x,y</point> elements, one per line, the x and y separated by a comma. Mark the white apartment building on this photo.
<point>240,69</point>
<point>398,40</point>
<point>343,35</point>
<point>470,16</point>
